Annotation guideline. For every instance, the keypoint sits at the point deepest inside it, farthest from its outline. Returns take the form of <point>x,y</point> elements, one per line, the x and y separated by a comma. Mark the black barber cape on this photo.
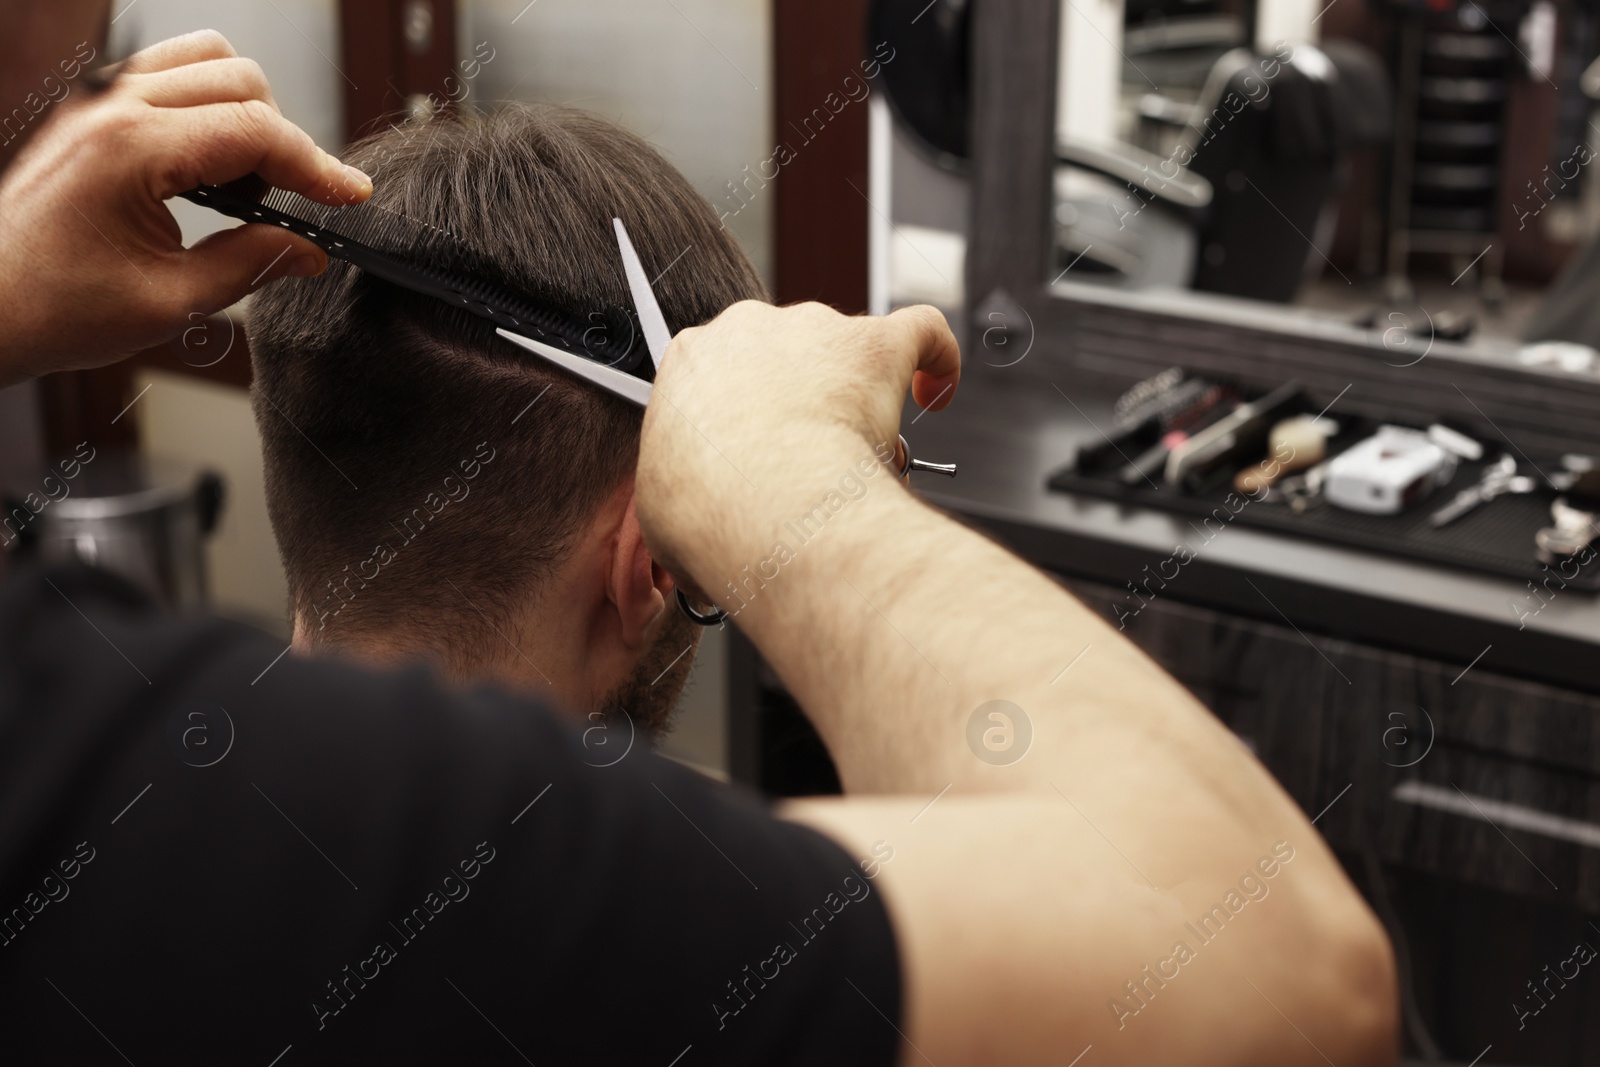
<point>207,857</point>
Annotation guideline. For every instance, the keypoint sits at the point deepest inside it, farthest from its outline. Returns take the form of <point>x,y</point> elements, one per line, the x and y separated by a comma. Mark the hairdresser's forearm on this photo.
<point>895,624</point>
<point>1130,813</point>
<point>890,623</point>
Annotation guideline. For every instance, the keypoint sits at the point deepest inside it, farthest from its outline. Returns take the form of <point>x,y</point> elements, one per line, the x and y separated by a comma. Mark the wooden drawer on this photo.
<point>1466,774</point>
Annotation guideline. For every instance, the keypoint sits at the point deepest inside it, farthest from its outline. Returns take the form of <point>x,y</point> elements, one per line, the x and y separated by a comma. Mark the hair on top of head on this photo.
<point>369,397</point>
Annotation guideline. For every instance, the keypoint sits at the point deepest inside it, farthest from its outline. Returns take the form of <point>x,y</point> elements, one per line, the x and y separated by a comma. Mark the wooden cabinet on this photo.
<point>1489,779</point>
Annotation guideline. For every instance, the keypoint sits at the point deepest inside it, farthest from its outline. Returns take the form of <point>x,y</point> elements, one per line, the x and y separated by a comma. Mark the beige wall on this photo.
<point>211,426</point>
<point>694,77</point>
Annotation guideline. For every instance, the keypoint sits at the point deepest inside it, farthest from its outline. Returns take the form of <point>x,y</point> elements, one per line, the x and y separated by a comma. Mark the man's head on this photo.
<point>439,493</point>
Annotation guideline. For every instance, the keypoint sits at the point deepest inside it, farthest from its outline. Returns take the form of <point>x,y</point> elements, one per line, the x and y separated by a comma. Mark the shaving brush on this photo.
<point>1294,445</point>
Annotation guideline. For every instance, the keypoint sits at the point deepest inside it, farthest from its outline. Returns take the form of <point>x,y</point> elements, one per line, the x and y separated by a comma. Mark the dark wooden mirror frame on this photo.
<point>1071,326</point>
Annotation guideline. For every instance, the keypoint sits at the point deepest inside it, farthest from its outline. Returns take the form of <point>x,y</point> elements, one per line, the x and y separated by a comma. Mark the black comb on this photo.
<point>344,233</point>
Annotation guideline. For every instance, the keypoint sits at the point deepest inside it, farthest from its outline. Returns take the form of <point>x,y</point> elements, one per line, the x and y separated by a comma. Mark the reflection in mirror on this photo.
<point>1396,166</point>
<point>1386,165</point>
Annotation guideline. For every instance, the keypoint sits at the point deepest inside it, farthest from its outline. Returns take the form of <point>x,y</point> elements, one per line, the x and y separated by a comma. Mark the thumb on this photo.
<point>923,334</point>
<point>226,266</point>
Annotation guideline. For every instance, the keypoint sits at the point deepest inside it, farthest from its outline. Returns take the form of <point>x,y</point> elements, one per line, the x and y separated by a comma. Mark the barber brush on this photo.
<point>1293,445</point>
<point>1201,403</point>
<point>1241,432</point>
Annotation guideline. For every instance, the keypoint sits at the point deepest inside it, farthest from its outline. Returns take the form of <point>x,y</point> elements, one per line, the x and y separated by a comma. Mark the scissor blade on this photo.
<point>656,334</point>
<point>613,381</point>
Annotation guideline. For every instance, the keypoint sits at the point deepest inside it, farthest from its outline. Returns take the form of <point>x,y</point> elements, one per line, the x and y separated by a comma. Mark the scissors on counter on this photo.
<point>638,391</point>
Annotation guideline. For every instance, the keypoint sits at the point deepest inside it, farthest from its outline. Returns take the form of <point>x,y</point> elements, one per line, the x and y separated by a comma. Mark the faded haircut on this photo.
<point>424,476</point>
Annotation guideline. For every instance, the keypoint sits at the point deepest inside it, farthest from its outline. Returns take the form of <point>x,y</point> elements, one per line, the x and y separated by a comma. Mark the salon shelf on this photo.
<point>1009,432</point>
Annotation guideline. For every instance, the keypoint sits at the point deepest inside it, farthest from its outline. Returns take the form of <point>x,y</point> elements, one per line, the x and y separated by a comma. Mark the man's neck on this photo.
<point>520,661</point>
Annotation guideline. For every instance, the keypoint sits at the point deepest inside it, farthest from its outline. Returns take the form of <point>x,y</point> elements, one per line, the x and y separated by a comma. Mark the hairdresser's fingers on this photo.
<point>218,143</point>
<point>924,335</point>
<point>194,47</point>
<point>215,81</point>
<point>221,269</point>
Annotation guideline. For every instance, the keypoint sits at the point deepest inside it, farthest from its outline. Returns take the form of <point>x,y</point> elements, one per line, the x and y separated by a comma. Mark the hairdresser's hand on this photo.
<point>92,264</point>
<point>756,410</point>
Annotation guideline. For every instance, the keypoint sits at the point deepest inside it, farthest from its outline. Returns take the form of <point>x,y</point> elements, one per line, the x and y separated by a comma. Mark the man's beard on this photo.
<point>649,697</point>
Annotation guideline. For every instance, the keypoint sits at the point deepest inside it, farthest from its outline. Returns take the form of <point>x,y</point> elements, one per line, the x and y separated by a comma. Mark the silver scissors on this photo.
<point>638,391</point>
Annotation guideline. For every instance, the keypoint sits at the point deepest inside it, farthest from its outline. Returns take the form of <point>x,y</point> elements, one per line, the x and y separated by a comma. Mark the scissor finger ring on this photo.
<point>909,464</point>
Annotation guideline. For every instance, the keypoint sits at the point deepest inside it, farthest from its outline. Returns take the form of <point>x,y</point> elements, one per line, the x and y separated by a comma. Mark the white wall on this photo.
<point>1294,21</point>
<point>694,77</point>
<point>1090,80</point>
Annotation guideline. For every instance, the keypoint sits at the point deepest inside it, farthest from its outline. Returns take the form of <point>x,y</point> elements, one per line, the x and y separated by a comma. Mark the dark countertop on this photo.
<point>1009,429</point>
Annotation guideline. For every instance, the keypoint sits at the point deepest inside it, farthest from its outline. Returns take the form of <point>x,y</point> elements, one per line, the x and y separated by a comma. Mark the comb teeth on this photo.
<point>367,224</point>
<point>354,234</point>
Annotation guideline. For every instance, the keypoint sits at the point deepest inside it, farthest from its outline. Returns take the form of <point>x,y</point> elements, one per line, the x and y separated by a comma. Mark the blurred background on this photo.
<point>1421,168</point>
<point>1387,207</point>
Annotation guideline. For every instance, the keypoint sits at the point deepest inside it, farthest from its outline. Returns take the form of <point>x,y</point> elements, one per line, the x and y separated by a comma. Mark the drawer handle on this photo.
<point>1498,813</point>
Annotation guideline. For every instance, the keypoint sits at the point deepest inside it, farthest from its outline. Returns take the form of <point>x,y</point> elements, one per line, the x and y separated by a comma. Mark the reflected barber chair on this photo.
<point>1272,134</point>
<point>929,91</point>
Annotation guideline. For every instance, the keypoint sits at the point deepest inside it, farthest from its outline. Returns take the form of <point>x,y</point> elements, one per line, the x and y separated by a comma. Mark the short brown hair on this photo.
<point>393,422</point>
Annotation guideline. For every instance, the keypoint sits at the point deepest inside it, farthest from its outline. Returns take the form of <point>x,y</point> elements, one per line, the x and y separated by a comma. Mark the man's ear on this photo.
<point>638,588</point>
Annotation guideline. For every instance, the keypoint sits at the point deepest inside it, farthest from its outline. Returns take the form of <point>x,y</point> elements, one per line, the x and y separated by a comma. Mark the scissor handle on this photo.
<point>714,617</point>
<point>907,463</point>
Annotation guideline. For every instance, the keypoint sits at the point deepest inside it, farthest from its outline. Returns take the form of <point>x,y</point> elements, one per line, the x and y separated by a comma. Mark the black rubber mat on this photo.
<point>1494,538</point>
